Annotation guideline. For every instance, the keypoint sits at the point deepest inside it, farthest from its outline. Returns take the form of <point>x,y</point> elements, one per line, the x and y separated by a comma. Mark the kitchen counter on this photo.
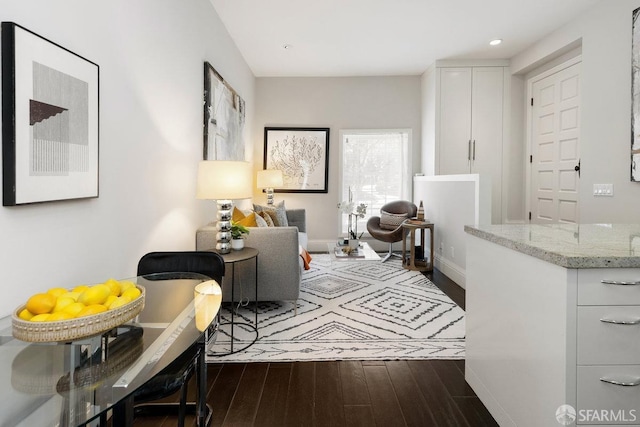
<point>569,245</point>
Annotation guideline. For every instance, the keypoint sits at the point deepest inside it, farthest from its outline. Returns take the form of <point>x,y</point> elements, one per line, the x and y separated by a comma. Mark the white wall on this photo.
<point>605,33</point>
<point>151,55</point>
<point>337,103</point>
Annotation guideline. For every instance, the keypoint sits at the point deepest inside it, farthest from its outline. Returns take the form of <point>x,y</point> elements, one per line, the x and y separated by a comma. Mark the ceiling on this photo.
<point>384,37</point>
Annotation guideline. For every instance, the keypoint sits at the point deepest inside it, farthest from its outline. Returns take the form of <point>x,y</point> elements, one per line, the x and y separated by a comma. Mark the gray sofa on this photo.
<point>279,263</point>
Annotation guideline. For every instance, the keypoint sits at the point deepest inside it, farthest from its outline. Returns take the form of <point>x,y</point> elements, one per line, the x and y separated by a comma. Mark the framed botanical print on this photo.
<point>302,154</point>
<point>50,132</point>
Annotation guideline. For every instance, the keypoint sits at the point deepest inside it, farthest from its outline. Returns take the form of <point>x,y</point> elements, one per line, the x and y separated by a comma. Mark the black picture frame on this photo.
<point>302,154</point>
<point>224,116</point>
<point>50,117</point>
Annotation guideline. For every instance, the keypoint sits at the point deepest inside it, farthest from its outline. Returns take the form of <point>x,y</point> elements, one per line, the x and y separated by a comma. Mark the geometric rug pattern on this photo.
<point>350,310</point>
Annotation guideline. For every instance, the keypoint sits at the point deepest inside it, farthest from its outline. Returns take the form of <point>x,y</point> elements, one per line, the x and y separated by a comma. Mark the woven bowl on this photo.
<point>74,329</point>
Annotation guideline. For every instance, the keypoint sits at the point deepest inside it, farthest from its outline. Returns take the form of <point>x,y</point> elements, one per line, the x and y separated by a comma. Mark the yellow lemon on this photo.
<point>25,314</point>
<point>56,292</point>
<point>60,315</point>
<point>92,309</point>
<point>126,284</point>
<point>132,293</point>
<point>80,288</point>
<point>114,285</point>
<point>40,317</point>
<point>41,303</point>
<point>74,309</point>
<point>62,302</point>
<point>119,302</point>
<point>110,300</point>
<point>72,294</point>
<point>97,294</point>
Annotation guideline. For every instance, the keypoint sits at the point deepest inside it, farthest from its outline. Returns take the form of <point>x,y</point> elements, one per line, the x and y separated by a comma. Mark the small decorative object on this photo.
<point>354,212</point>
<point>267,180</point>
<point>238,234</point>
<point>223,181</point>
<point>420,216</point>
<point>302,154</point>
<point>49,120</point>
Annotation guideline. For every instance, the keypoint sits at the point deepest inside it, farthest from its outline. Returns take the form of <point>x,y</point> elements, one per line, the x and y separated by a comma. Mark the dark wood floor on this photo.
<point>343,393</point>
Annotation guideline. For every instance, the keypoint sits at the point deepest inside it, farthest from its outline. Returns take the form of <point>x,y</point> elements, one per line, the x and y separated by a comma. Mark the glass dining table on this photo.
<point>87,380</point>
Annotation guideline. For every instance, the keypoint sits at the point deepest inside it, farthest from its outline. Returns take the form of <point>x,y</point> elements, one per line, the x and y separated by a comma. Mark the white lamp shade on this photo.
<point>270,178</point>
<point>224,180</point>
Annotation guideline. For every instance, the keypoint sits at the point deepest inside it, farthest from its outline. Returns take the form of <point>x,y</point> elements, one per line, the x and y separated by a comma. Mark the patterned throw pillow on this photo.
<point>266,218</point>
<point>260,221</point>
<point>277,213</point>
<point>391,221</point>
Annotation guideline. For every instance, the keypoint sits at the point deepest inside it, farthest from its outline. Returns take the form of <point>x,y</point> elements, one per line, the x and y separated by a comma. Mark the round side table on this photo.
<point>415,258</point>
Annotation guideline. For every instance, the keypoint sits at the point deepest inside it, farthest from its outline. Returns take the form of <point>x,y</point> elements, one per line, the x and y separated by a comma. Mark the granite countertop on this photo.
<point>569,245</point>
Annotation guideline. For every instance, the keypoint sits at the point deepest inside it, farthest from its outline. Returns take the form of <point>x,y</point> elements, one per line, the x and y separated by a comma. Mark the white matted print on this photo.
<point>50,117</point>
<point>302,154</point>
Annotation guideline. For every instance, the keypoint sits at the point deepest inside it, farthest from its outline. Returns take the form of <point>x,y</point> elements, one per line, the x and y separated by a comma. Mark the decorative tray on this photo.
<point>78,328</point>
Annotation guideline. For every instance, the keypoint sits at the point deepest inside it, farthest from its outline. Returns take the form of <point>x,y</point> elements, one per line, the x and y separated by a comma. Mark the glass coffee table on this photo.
<point>364,253</point>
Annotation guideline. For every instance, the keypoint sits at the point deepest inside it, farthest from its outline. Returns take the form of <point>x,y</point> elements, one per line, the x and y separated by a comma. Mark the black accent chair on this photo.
<point>398,210</point>
<point>176,376</point>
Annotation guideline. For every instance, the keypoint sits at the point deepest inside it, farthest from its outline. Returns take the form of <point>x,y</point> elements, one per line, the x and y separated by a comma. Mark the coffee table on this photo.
<point>365,251</point>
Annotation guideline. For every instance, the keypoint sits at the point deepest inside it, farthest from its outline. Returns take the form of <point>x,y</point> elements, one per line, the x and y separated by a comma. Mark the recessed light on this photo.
<point>286,46</point>
<point>495,42</point>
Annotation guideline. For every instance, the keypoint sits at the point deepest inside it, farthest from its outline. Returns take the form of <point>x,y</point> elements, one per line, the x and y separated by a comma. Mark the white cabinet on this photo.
<point>469,125</point>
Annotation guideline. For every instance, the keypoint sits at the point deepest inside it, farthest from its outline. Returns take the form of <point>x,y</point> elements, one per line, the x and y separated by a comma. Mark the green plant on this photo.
<point>238,231</point>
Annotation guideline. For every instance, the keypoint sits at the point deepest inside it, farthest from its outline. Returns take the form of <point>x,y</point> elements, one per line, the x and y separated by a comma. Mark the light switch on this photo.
<point>605,190</point>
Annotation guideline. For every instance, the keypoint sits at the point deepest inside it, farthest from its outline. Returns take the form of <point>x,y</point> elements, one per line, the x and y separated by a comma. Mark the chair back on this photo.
<point>401,207</point>
<point>208,263</point>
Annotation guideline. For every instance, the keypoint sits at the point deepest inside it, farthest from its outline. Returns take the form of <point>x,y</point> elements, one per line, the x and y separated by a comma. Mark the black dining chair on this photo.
<point>176,376</point>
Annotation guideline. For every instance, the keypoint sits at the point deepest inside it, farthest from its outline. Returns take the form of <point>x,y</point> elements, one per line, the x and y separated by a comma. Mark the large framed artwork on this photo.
<point>223,118</point>
<point>302,154</point>
<point>635,92</point>
<point>50,118</point>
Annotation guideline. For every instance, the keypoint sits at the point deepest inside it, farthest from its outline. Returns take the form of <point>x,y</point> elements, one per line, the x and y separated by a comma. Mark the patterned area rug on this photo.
<point>358,310</point>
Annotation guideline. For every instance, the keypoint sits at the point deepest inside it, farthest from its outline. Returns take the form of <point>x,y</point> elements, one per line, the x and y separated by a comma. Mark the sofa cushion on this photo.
<point>391,221</point>
<point>277,213</point>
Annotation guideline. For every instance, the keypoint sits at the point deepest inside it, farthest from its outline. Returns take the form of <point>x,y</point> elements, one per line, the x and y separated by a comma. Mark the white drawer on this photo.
<point>621,404</point>
<point>605,343</point>
<point>592,292</point>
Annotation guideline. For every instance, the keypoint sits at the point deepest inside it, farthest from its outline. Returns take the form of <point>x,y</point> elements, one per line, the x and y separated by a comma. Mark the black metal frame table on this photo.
<point>234,257</point>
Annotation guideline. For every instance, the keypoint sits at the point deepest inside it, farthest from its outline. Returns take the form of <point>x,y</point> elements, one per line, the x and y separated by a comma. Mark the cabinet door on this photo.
<point>486,130</point>
<point>455,120</point>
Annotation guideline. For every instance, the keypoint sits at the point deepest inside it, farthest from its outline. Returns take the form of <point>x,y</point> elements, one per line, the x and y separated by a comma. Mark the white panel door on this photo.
<point>455,120</point>
<point>555,147</point>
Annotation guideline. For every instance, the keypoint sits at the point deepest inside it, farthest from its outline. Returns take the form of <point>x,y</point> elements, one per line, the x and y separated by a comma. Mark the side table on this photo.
<point>232,258</point>
<point>411,260</point>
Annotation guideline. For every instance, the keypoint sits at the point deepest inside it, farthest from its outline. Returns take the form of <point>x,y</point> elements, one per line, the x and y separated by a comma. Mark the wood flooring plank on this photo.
<point>301,396</point>
<point>221,393</point>
<point>358,416</point>
<point>441,405</point>
<point>413,404</point>
<point>244,405</point>
<point>354,385</point>
<point>329,405</point>
<point>452,378</point>
<point>384,403</point>
<point>273,403</point>
<point>475,412</point>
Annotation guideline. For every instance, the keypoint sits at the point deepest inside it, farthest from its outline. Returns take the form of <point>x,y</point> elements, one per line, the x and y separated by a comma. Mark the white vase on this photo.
<point>237,244</point>
<point>354,243</point>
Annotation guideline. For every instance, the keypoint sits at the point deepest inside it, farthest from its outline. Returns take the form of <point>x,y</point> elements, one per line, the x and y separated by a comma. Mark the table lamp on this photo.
<point>224,181</point>
<point>268,179</point>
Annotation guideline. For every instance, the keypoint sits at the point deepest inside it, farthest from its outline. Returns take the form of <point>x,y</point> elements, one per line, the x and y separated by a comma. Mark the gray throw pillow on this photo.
<point>278,213</point>
<point>391,221</point>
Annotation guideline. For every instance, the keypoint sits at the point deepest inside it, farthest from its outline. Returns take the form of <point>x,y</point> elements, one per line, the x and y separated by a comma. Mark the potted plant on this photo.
<point>354,212</point>
<point>238,233</point>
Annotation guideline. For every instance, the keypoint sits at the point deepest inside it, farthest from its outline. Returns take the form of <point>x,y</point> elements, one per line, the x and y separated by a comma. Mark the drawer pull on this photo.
<point>621,321</point>
<point>619,282</point>
<point>628,382</point>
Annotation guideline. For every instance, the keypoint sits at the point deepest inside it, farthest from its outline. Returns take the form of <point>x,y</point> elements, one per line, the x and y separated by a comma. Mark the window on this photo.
<point>375,165</point>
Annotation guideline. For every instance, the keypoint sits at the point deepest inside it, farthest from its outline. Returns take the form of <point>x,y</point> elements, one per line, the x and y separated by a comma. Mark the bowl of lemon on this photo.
<point>60,315</point>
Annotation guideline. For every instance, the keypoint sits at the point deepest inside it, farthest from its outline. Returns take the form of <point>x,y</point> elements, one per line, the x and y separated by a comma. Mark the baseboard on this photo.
<point>451,270</point>
<point>495,409</point>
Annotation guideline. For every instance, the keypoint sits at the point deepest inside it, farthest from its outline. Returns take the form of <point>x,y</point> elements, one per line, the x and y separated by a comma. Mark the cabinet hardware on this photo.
<point>620,282</point>
<point>474,149</point>
<point>628,382</point>
<point>469,151</point>
<point>577,168</point>
<point>620,321</point>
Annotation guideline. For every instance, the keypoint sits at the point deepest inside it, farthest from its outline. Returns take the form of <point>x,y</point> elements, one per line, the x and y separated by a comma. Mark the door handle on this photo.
<point>474,149</point>
<point>577,168</point>
<point>469,151</point>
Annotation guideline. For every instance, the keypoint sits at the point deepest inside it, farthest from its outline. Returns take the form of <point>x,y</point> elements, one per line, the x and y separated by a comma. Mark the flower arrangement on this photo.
<point>354,212</point>
<point>238,231</point>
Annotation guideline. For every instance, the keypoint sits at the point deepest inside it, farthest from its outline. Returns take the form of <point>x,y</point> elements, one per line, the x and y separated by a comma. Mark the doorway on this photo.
<point>554,144</point>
